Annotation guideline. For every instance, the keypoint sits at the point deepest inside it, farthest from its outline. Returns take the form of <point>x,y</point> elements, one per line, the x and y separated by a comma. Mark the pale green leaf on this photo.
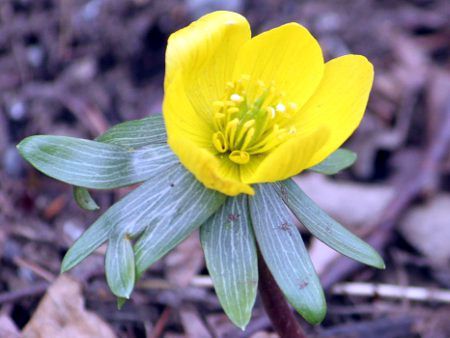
<point>181,210</point>
<point>84,199</point>
<point>119,265</point>
<point>130,135</point>
<point>283,250</point>
<point>92,164</point>
<point>325,228</point>
<point>137,133</point>
<point>337,161</point>
<point>131,214</point>
<point>231,258</point>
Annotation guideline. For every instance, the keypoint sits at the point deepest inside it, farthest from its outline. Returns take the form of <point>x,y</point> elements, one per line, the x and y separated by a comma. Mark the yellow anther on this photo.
<point>219,142</point>
<point>248,138</point>
<point>244,128</point>
<point>230,131</point>
<point>232,110</point>
<point>271,111</point>
<point>239,157</point>
<point>236,98</point>
<point>219,116</point>
<point>248,124</point>
<point>280,108</point>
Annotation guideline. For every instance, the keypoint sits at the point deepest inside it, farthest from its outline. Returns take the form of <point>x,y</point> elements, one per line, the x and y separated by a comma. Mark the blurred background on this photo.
<point>77,67</point>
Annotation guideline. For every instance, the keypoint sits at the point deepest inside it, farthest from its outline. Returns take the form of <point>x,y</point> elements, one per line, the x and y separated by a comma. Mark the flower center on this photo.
<point>245,129</point>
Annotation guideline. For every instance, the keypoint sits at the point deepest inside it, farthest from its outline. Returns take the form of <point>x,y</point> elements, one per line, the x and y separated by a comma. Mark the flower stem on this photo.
<point>278,310</point>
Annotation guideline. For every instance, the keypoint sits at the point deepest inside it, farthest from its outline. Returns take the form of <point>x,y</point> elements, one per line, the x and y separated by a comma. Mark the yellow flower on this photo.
<point>241,110</point>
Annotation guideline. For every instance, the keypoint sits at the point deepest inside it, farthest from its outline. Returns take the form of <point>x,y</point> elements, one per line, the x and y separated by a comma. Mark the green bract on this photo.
<point>170,204</point>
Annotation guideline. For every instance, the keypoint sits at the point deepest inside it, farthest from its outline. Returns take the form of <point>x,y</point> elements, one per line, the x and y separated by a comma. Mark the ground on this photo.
<point>78,67</point>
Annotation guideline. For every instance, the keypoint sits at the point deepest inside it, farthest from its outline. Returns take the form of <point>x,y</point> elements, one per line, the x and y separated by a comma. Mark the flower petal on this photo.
<point>339,102</point>
<point>287,55</point>
<point>204,53</point>
<point>207,168</point>
<point>181,120</point>
<point>287,160</point>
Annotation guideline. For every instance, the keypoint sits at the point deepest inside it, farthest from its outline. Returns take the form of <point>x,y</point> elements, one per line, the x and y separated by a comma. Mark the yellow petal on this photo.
<point>181,119</point>
<point>221,175</point>
<point>339,102</point>
<point>287,55</point>
<point>287,160</point>
<point>204,54</point>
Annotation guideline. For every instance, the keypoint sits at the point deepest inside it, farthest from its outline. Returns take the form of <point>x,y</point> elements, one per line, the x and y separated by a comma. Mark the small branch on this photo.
<point>161,323</point>
<point>278,310</point>
<point>12,296</point>
<point>392,291</point>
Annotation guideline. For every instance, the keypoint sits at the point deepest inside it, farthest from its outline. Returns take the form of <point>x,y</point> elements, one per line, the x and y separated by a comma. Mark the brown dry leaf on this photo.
<point>192,323</point>
<point>8,328</point>
<point>264,334</point>
<point>427,228</point>
<point>183,263</point>
<point>61,313</point>
<point>352,204</point>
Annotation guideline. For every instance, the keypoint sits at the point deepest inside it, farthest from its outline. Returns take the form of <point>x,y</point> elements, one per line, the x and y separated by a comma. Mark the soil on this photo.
<point>77,67</point>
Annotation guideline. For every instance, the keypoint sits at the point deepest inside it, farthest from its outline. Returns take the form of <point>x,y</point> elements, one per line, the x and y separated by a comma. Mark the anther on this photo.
<point>219,142</point>
<point>236,98</point>
<point>280,107</point>
<point>232,110</point>
<point>239,157</point>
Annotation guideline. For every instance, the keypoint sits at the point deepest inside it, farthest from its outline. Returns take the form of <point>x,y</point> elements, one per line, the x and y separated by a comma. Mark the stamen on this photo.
<point>239,157</point>
<point>243,128</point>
<point>236,98</point>
<point>219,142</point>
<point>280,107</point>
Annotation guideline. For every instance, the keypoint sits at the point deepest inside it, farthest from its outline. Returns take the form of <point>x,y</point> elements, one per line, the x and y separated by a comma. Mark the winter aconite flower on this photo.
<point>242,110</point>
<point>241,116</point>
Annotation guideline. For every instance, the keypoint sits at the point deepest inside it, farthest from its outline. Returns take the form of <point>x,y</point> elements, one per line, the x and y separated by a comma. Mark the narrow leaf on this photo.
<point>92,164</point>
<point>183,209</point>
<point>119,265</point>
<point>230,253</point>
<point>285,254</point>
<point>84,199</point>
<point>325,228</point>
<point>130,135</point>
<point>137,133</point>
<point>337,161</point>
<point>127,214</point>
<point>121,302</point>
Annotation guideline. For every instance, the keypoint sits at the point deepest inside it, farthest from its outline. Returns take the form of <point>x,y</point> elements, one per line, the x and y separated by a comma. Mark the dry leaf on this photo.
<point>427,228</point>
<point>352,204</point>
<point>61,313</point>
<point>192,324</point>
<point>183,263</point>
<point>8,328</point>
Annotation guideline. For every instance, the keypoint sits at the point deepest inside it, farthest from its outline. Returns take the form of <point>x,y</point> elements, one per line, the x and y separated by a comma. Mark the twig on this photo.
<point>159,283</point>
<point>392,291</point>
<point>161,323</point>
<point>423,179</point>
<point>34,290</point>
<point>278,310</point>
<point>38,270</point>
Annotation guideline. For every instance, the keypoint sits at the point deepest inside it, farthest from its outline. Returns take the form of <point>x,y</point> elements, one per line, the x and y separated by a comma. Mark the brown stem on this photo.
<point>278,310</point>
